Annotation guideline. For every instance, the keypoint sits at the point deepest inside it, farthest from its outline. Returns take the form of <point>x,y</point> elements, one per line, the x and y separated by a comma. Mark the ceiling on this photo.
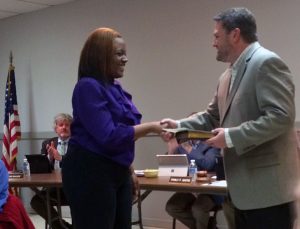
<point>9,8</point>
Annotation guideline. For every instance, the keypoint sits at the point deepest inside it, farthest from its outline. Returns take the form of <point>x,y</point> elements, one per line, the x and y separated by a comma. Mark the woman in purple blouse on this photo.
<point>96,172</point>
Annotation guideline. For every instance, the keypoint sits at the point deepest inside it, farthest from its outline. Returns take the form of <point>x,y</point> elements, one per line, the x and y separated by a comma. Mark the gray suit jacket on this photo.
<point>262,167</point>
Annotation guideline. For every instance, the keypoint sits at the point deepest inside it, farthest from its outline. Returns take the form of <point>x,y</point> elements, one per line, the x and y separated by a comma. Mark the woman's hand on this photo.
<point>135,184</point>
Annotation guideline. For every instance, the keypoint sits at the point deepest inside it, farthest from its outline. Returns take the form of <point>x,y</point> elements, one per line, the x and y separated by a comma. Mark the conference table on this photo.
<point>54,180</point>
<point>164,184</point>
<point>39,182</point>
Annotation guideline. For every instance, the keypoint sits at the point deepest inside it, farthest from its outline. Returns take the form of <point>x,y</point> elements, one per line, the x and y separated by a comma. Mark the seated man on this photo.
<point>55,148</point>
<point>12,212</point>
<point>193,210</point>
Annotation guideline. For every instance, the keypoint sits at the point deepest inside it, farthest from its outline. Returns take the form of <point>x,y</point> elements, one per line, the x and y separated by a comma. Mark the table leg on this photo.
<point>59,208</point>
<point>138,201</point>
<point>48,208</point>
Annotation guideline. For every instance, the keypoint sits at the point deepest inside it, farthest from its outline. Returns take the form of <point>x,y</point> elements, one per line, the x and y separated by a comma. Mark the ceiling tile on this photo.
<point>10,8</point>
<point>19,6</point>
<point>6,14</point>
<point>51,2</point>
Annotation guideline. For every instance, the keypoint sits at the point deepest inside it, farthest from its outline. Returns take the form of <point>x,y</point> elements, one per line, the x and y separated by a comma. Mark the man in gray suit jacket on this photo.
<point>252,116</point>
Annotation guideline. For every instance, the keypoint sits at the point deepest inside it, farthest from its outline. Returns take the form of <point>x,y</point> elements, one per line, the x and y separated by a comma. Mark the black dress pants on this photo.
<point>99,190</point>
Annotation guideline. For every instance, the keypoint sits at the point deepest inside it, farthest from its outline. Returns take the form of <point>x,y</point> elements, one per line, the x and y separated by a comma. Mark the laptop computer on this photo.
<point>172,165</point>
<point>39,163</point>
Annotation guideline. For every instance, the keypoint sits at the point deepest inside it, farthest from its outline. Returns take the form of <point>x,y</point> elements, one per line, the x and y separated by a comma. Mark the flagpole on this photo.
<point>11,67</point>
<point>10,58</point>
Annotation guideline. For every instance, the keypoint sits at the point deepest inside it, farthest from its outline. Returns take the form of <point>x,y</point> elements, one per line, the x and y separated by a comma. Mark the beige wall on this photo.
<point>171,70</point>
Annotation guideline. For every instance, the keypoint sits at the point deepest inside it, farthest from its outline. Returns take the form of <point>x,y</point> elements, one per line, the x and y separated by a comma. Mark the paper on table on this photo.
<point>218,183</point>
<point>139,173</point>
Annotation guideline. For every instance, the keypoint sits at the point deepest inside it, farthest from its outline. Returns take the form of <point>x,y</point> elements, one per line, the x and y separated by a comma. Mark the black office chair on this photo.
<point>212,222</point>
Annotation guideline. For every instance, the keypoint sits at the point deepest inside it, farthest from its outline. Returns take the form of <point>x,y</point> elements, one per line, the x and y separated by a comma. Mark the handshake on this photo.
<point>214,138</point>
<point>159,127</point>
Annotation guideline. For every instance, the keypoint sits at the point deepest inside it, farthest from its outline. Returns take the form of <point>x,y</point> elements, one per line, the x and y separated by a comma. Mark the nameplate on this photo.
<point>15,175</point>
<point>180,179</point>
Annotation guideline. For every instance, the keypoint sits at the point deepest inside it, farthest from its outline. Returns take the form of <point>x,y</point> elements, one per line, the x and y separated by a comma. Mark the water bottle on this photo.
<point>193,170</point>
<point>57,165</point>
<point>26,167</point>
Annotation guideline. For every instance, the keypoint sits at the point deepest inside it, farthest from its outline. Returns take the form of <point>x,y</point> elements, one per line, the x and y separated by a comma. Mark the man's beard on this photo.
<point>222,56</point>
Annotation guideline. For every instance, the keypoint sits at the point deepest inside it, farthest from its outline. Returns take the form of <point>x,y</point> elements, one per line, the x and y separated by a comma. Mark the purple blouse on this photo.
<point>104,116</point>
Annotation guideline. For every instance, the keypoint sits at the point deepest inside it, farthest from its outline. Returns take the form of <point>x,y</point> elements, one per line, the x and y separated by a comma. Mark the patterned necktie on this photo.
<point>62,147</point>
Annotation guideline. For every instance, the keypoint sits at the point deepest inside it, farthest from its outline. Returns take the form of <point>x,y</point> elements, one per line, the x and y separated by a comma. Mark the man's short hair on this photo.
<point>62,116</point>
<point>241,18</point>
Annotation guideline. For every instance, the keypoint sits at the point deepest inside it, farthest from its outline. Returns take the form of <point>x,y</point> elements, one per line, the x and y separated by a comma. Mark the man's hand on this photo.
<point>52,152</point>
<point>187,146</point>
<point>172,145</point>
<point>218,141</point>
<point>167,123</point>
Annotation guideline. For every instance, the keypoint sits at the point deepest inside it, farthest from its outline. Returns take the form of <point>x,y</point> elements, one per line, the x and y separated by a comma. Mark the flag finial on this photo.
<point>10,57</point>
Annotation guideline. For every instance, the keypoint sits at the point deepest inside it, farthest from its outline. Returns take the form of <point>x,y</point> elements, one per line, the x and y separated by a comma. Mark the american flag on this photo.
<point>11,129</point>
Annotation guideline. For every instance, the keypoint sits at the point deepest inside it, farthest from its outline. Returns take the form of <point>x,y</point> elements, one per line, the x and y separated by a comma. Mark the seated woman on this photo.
<point>12,212</point>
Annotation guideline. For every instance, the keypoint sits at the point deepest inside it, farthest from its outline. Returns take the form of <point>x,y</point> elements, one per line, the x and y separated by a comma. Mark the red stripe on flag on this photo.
<point>12,123</point>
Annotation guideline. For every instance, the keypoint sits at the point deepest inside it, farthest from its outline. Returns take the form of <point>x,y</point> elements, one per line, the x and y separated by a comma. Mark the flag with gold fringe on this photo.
<point>12,128</point>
